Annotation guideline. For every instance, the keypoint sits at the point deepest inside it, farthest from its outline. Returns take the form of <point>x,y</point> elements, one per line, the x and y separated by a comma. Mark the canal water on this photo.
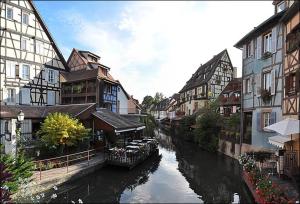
<point>182,173</point>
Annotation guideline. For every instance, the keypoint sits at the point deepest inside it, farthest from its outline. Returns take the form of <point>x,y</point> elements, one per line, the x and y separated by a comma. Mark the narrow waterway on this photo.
<point>181,174</point>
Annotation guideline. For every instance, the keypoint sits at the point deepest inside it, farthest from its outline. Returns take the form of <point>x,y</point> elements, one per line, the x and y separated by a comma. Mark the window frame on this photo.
<point>12,13</point>
<point>268,47</point>
<point>25,76</point>
<point>11,96</point>
<point>51,76</point>
<point>267,80</point>
<point>248,50</point>
<point>25,14</point>
<point>248,86</point>
<point>264,114</point>
<point>24,43</point>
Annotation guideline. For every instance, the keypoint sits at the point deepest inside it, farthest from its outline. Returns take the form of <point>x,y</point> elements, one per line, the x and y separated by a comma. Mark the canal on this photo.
<point>181,174</point>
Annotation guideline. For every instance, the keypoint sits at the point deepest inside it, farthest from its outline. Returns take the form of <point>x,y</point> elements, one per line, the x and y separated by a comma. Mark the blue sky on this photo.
<point>153,46</point>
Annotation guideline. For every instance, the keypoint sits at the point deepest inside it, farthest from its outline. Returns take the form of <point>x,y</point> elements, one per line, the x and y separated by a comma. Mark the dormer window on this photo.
<point>104,72</point>
<point>280,6</point>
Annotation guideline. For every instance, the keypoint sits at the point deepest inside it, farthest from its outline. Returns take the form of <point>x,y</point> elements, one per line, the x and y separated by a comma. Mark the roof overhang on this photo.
<point>267,24</point>
<point>278,140</point>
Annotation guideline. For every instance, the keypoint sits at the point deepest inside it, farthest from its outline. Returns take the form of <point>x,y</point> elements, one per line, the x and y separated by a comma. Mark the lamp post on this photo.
<point>20,118</point>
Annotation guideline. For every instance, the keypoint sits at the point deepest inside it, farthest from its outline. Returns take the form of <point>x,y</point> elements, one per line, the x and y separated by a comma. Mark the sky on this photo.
<point>153,46</point>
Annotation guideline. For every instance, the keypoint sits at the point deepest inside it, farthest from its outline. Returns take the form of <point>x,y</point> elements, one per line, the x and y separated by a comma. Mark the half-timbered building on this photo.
<point>89,81</point>
<point>262,81</point>
<point>230,98</point>
<point>206,83</point>
<point>30,66</point>
<point>291,74</point>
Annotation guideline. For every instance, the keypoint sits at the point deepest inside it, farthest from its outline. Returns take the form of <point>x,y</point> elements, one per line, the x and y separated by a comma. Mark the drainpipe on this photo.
<point>242,110</point>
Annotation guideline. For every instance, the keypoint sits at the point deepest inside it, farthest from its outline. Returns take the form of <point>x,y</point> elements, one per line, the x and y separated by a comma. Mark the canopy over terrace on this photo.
<point>114,123</point>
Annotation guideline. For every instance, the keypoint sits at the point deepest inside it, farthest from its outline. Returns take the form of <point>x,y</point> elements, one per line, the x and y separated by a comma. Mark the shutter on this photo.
<point>56,76</point>
<point>272,118</point>
<point>51,98</point>
<point>258,122</point>
<point>244,51</point>
<point>46,71</point>
<point>5,95</point>
<point>258,84</point>
<point>20,71</point>
<point>32,72</point>
<point>273,83</point>
<point>297,80</point>
<point>258,47</point>
<point>287,84</point>
<point>274,39</point>
<point>252,48</point>
<point>244,86</point>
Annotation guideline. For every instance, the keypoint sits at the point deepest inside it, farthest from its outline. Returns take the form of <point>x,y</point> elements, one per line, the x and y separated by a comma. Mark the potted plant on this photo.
<point>265,95</point>
<point>266,55</point>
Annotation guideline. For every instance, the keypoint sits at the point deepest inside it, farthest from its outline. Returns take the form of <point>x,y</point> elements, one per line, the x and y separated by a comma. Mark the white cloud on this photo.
<point>157,46</point>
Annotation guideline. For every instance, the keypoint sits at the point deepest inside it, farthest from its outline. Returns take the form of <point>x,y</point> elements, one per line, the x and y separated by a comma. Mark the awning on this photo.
<point>278,140</point>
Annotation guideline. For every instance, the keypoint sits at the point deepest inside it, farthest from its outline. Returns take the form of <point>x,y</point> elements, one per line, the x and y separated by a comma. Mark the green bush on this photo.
<point>60,130</point>
<point>208,127</point>
<point>19,167</point>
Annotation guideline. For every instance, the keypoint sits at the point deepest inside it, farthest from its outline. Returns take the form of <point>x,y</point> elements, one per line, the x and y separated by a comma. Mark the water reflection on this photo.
<point>182,173</point>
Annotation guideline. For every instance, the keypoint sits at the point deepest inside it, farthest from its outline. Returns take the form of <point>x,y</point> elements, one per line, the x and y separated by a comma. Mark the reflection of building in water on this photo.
<point>108,184</point>
<point>212,179</point>
<point>164,140</point>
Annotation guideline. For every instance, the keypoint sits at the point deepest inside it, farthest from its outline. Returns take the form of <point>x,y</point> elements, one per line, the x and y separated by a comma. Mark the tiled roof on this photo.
<point>115,120</point>
<point>234,86</point>
<point>10,111</point>
<point>80,75</point>
<point>208,69</point>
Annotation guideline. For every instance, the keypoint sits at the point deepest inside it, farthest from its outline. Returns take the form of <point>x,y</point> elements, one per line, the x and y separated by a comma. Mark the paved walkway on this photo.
<point>60,174</point>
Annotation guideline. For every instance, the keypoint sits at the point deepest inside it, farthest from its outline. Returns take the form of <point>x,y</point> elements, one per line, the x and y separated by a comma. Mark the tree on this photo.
<point>147,101</point>
<point>208,127</point>
<point>60,130</point>
<point>14,171</point>
<point>158,97</point>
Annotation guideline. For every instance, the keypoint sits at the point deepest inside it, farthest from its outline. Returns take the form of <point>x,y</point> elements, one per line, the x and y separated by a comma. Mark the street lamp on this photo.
<point>20,118</point>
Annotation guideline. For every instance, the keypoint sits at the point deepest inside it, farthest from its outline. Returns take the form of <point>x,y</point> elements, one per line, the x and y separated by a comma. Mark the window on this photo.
<point>248,49</point>
<point>25,18</point>
<point>293,40</point>
<point>290,84</point>
<point>25,96</point>
<point>11,95</point>
<point>267,81</point>
<point>25,72</point>
<point>104,72</point>
<point>9,13</point>
<point>280,6</point>
<point>50,98</point>
<point>39,49</point>
<point>267,42</point>
<point>266,119</point>
<point>23,44</point>
<point>108,88</point>
<point>51,76</point>
<point>248,86</point>
<point>10,69</point>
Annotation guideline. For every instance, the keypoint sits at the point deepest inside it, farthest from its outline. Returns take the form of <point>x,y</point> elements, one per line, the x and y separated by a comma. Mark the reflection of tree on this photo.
<point>212,176</point>
<point>107,184</point>
<point>164,140</point>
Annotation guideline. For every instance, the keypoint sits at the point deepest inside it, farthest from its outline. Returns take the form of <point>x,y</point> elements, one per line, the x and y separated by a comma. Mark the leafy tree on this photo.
<point>15,170</point>
<point>208,127</point>
<point>147,101</point>
<point>60,130</point>
<point>158,97</point>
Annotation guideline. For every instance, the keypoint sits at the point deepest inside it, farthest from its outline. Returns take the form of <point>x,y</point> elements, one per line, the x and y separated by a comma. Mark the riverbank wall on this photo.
<point>58,176</point>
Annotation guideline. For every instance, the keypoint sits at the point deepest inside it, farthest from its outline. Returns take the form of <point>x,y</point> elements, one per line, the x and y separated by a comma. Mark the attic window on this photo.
<point>280,6</point>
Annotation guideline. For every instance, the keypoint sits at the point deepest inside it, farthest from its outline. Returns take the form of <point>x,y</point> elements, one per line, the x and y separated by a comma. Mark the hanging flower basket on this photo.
<point>266,55</point>
<point>265,95</point>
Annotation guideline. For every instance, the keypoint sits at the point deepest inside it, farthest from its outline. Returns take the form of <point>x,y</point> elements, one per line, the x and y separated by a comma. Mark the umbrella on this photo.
<point>285,127</point>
